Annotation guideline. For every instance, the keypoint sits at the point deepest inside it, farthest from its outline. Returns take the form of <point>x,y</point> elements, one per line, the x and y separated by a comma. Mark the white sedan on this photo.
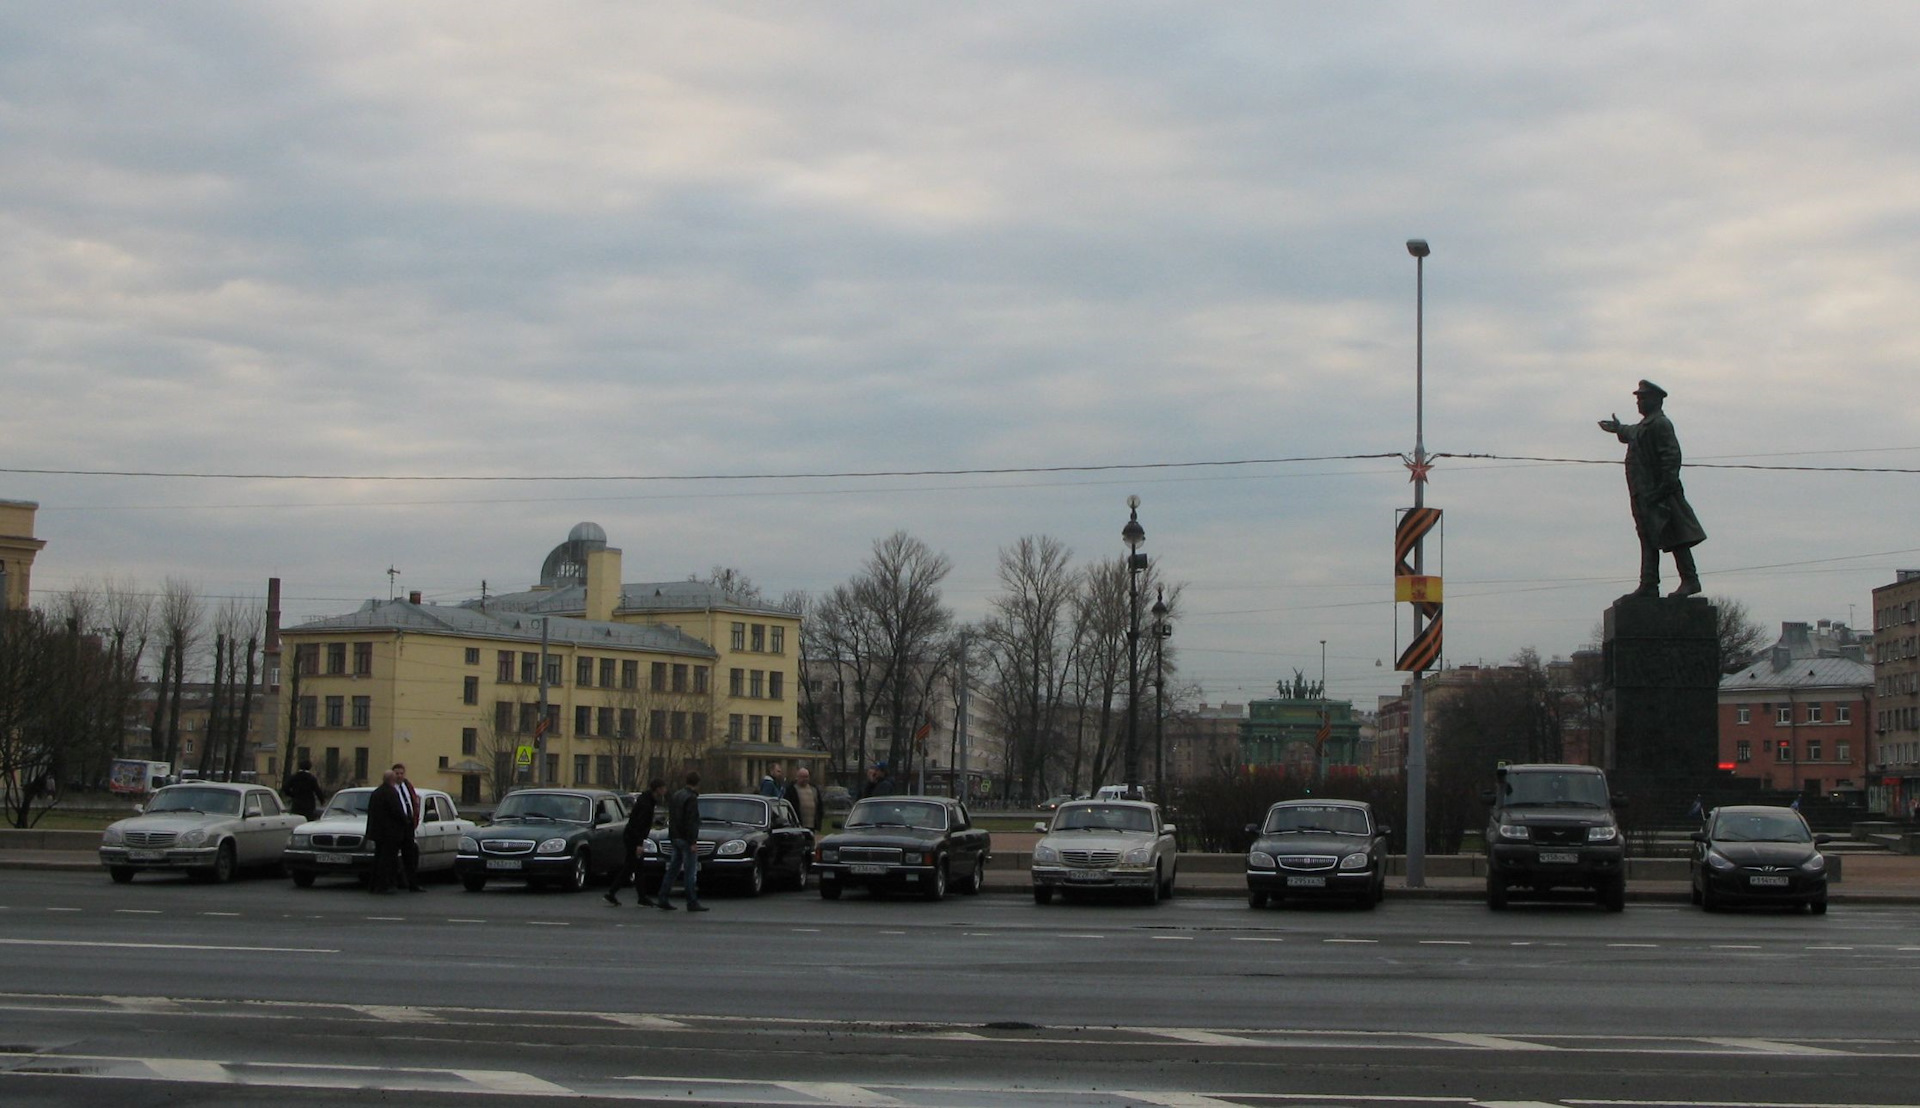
<point>337,841</point>
<point>1103,846</point>
<point>209,829</point>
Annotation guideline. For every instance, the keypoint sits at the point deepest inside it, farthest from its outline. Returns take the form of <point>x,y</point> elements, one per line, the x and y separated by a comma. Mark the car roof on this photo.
<point>1555,767</point>
<point>947,800</point>
<point>1754,809</point>
<point>1109,804</point>
<point>1307,800</point>
<point>547,790</point>
<point>229,786</point>
<point>738,796</point>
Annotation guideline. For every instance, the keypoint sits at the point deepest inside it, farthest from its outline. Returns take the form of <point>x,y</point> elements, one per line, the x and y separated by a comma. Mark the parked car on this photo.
<point>923,844</point>
<point>745,841</point>
<point>209,829</point>
<point>1551,827</point>
<point>546,836</point>
<point>336,842</point>
<point>1758,854</point>
<point>1052,803</point>
<point>1105,846</point>
<point>1310,849</point>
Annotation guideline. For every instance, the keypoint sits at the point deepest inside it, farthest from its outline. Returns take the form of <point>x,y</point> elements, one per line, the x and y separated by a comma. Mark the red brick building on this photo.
<point>1799,720</point>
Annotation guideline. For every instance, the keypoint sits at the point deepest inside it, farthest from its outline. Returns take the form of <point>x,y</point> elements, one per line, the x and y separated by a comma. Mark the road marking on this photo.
<point>1829,948</point>
<point>395,1013</point>
<point>189,1069</point>
<point>1735,946</point>
<point>235,915</point>
<point>1205,1038</point>
<point>806,930</point>
<point>171,946</point>
<point>1355,941</point>
<point>1772,1046</point>
<point>1515,1104</point>
<point>893,932</point>
<point>835,1092</point>
<point>1079,936</point>
<point>1256,939</point>
<point>1632,946</point>
<point>508,1081</point>
<point>1445,942</point>
<point>143,1003</point>
<point>1181,1100</point>
<point>1489,1042</point>
<point>548,923</point>
<point>136,911</point>
<point>1171,938</point>
<point>466,921</point>
<point>384,919</point>
<point>635,1019</point>
<point>66,909</point>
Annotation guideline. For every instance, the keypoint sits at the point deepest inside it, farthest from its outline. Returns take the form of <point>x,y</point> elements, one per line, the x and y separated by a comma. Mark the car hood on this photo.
<point>533,828</point>
<point>903,837</point>
<point>1765,854</point>
<point>1312,842</point>
<point>170,821</point>
<point>1099,840</point>
<point>336,825</point>
<point>714,833</point>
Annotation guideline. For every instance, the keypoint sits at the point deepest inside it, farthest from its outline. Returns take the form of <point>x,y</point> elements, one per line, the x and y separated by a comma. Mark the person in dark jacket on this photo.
<point>387,827</point>
<point>683,832</point>
<point>634,835</point>
<point>302,790</point>
<point>878,783</point>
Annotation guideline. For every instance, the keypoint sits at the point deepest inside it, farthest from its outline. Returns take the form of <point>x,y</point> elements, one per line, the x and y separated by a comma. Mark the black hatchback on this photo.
<point>1758,854</point>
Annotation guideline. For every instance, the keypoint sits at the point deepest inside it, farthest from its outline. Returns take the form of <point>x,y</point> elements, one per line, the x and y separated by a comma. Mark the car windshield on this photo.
<point>898,813</point>
<point>1337,818</point>
<point>1761,827</point>
<point>348,802</point>
<point>734,809</point>
<point>1556,790</point>
<point>1104,817</point>
<point>539,806</point>
<point>213,802</point>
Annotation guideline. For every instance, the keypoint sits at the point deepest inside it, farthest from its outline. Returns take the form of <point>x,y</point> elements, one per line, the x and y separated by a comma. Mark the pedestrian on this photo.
<point>806,800</point>
<point>410,835</point>
<point>878,783</point>
<point>302,790</point>
<point>774,785</point>
<point>683,832</point>
<point>634,837</point>
<point>385,821</point>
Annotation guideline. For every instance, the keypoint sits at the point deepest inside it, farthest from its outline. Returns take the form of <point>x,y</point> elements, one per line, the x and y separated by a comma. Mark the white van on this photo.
<point>1120,792</point>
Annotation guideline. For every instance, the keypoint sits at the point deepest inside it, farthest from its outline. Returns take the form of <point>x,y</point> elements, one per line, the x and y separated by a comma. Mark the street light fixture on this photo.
<point>1162,630</point>
<point>1133,535</point>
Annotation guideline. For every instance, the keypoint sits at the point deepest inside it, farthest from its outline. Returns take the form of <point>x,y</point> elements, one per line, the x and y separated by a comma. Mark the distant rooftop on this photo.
<point>402,615</point>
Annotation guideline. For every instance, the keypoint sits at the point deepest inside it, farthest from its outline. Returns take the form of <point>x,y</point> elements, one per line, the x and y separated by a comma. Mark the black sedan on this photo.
<point>917,844</point>
<point>745,841</point>
<point>561,837</point>
<point>1317,849</point>
<point>1758,854</point>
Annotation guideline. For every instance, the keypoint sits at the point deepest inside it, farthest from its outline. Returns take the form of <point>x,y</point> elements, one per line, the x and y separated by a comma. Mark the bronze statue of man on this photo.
<point>1660,510</point>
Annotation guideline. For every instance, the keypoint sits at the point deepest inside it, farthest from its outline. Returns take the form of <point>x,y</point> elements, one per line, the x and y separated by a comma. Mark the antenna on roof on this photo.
<point>391,574</point>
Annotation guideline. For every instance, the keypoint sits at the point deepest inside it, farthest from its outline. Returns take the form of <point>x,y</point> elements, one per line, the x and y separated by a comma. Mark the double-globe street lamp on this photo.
<point>1133,535</point>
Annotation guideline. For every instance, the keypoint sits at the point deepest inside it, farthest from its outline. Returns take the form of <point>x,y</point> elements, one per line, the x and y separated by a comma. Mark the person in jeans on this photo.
<point>683,832</point>
<point>633,837</point>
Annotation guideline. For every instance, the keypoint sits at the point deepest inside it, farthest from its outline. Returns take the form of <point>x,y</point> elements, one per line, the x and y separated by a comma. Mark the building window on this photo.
<point>553,669</point>
<point>580,764</point>
<point>735,723</point>
<point>336,711</point>
<point>603,771</point>
<point>627,717</point>
<point>360,763</point>
<point>677,724</point>
<point>529,668</point>
<point>603,719</point>
<point>1813,750</point>
<point>607,668</point>
<point>1783,751</point>
<point>1743,751</point>
<point>1843,713</point>
<point>753,729</point>
<point>657,677</point>
<point>333,763</point>
<point>529,715</point>
<point>679,678</point>
<point>699,728</point>
<point>657,724</point>
<point>336,657</point>
<point>363,659</point>
<point>1813,713</point>
<point>1843,751</point>
<point>1743,714</point>
<point>473,655</point>
<point>739,639</point>
<point>756,684</point>
<point>583,672</point>
<point>504,674</point>
<point>700,680</point>
<point>736,682</point>
<point>760,637</point>
<point>629,674</point>
<point>363,711</point>
<point>470,690</point>
<point>776,685</point>
<point>443,761</point>
<point>773,730</point>
<point>1783,715</point>
<point>306,659</point>
<point>779,643</point>
<point>469,741</point>
<point>309,711</point>
<point>582,720</point>
<point>502,717</point>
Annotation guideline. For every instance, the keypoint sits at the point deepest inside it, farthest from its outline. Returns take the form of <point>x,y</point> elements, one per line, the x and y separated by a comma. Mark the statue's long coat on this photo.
<point>1660,508</point>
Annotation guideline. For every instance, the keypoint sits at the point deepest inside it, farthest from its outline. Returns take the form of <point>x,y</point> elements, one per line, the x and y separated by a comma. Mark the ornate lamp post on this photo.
<point>1162,630</point>
<point>1133,535</point>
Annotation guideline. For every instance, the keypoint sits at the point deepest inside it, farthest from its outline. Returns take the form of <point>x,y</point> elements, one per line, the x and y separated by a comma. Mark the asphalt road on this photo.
<point>166,992</point>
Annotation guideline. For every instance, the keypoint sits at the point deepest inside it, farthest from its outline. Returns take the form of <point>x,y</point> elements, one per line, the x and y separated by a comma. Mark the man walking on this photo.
<point>634,836</point>
<point>386,821</point>
<point>1661,513</point>
<point>806,800</point>
<point>302,790</point>
<point>683,832</point>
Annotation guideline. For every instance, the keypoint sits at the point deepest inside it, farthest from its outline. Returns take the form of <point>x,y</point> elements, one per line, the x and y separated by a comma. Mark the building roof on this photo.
<point>522,626</point>
<point>1801,673</point>
<point>637,596</point>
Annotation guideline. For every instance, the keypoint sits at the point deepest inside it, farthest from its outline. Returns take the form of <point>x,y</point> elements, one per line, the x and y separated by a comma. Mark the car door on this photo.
<point>608,832</point>
<point>432,838</point>
<point>964,842</point>
<point>260,835</point>
<point>787,840</point>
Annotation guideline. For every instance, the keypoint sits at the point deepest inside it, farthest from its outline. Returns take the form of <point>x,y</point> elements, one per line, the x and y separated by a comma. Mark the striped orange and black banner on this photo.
<point>1424,651</point>
<point>1407,535</point>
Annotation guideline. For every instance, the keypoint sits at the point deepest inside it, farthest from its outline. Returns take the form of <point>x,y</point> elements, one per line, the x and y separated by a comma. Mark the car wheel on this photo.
<point>976,880</point>
<point>225,864</point>
<point>757,879</point>
<point>1152,895</point>
<point>937,890</point>
<point>303,878</point>
<point>1365,901</point>
<point>576,878</point>
<point>1693,892</point>
<point>473,882</point>
<point>1042,894</point>
<point>122,875</point>
<point>1613,896</point>
<point>801,875</point>
<point>1817,907</point>
<point>829,890</point>
<point>1256,898</point>
<point>1166,890</point>
<point>1496,894</point>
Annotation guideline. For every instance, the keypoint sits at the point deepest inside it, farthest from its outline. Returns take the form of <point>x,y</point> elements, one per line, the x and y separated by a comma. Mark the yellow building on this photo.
<point>642,680</point>
<point>17,548</point>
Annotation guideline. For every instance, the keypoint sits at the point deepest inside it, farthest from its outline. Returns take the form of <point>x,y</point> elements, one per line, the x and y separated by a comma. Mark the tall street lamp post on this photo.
<point>1417,732</point>
<point>1162,630</point>
<point>1133,535</point>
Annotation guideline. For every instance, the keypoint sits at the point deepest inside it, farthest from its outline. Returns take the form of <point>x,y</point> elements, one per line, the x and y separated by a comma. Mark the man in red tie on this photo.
<point>409,841</point>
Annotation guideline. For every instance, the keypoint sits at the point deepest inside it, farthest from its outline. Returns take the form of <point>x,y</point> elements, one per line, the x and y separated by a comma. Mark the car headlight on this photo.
<point>112,836</point>
<point>916,858</point>
<point>299,841</point>
<point>1139,855</point>
<point>1516,832</point>
<point>1720,861</point>
<point>469,845</point>
<point>1602,834</point>
<point>193,838</point>
<point>1355,861</point>
<point>1044,853</point>
<point>829,853</point>
<point>651,846</point>
<point>1260,859</point>
<point>553,846</point>
<point>733,848</point>
<point>1815,864</point>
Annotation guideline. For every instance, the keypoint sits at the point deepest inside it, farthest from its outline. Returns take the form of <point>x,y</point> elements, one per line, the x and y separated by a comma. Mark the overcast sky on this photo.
<point>676,241</point>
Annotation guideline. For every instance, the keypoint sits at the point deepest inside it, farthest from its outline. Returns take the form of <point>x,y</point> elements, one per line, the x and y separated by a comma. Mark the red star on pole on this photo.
<point>1418,471</point>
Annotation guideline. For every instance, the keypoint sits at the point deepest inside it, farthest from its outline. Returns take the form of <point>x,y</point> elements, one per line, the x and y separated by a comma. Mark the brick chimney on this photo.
<point>603,583</point>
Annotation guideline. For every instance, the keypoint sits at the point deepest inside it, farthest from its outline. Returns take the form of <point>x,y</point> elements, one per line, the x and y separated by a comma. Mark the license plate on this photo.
<point>1089,878</point>
<point>1306,882</point>
<point>867,871</point>
<point>1777,882</point>
<point>146,855</point>
<point>332,859</point>
<point>503,863</point>
<point>1547,859</point>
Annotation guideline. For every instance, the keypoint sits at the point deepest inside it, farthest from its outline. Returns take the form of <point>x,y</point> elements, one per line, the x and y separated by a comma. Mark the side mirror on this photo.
<point>1382,831</point>
<point>1822,840</point>
<point>600,818</point>
<point>1698,836</point>
<point>139,809</point>
<point>1253,829</point>
<point>1486,797</point>
<point>1167,829</point>
<point>1040,827</point>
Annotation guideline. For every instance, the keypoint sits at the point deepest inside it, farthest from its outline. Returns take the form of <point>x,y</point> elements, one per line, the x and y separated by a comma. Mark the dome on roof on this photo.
<point>567,563</point>
<point>587,532</point>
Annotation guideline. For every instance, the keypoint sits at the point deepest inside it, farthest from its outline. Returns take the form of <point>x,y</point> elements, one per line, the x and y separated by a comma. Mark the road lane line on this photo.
<point>1354,941</point>
<point>1488,1042</point>
<point>1204,1038</point>
<point>136,911</point>
<point>395,1013</point>
<point>1773,1046</point>
<point>383,919</point>
<point>66,909</point>
<point>1171,938</point>
<point>1256,939</point>
<point>1829,948</point>
<point>1445,942</point>
<point>511,1081</point>
<point>1631,946</point>
<point>1735,946</point>
<point>840,1093</point>
<point>1181,1100</point>
<point>171,946</point>
<point>548,923</point>
<point>189,1069</point>
<point>635,1019</point>
<point>235,915</point>
<point>466,921</point>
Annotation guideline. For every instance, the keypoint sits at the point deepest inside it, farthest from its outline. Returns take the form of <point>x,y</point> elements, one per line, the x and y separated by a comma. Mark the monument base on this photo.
<point>1661,674</point>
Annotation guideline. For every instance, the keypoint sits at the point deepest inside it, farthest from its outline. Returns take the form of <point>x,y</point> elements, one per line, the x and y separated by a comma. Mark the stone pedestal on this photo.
<point>1661,665</point>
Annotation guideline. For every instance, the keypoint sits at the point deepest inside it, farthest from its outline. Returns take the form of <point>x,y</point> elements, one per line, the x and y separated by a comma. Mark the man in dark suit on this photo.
<point>303,792</point>
<point>410,840</point>
<point>634,835</point>
<point>387,826</point>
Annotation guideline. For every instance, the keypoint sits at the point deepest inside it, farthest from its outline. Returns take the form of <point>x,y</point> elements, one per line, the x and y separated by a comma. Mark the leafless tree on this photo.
<point>180,614</point>
<point>838,637</point>
<point>1741,637</point>
<point>897,595</point>
<point>1030,654</point>
<point>735,585</point>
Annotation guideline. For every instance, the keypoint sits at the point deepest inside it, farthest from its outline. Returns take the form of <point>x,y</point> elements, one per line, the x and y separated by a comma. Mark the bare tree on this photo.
<point>735,585</point>
<point>841,636</point>
<point>1030,654</point>
<point>1741,637</point>
<point>898,594</point>
<point>180,614</point>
